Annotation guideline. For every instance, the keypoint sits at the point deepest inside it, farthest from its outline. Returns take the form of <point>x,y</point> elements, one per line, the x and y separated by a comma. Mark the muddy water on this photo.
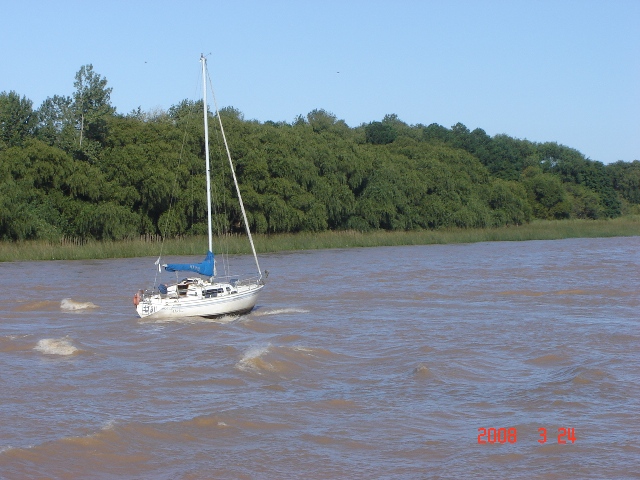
<point>365,363</point>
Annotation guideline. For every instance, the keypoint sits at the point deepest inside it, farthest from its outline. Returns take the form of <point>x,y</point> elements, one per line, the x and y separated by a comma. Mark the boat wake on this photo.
<point>277,311</point>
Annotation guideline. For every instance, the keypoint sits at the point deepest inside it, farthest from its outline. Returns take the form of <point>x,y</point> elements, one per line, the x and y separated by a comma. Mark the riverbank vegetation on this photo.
<point>76,169</point>
<point>265,243</point>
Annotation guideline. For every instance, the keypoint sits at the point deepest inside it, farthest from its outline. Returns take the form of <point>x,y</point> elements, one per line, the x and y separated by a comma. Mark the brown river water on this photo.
<point>490,360</point>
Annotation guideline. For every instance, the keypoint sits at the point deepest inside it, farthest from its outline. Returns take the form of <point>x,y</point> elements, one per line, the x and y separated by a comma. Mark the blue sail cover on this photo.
<point>203,268</point>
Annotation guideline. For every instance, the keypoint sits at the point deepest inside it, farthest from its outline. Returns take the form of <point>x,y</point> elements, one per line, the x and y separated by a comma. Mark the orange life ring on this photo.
<point>136,299</point>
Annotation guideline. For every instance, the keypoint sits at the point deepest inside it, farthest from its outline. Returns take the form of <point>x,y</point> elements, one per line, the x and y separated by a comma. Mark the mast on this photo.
<point>203,60</point>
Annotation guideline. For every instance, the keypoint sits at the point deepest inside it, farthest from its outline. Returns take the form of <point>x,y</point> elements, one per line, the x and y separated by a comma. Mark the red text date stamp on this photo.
<point>510,435</point>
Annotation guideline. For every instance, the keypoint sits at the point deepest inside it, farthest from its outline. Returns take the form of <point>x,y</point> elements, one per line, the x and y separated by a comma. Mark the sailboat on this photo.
<point>206,295</point>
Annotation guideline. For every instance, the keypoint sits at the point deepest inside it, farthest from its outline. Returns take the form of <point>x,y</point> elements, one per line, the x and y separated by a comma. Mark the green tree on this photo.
<point>321,120</point>
<point>547,196</point>
<point>91,108</point>
<point>380,133</point>
<point>46,188</point>
<point>55,122</point>
<point>571,167</point>
<point>625,178</point>
<point>508,202</point>
<point>435,133</point>
<point>17,119</point>
<point>585,203</point>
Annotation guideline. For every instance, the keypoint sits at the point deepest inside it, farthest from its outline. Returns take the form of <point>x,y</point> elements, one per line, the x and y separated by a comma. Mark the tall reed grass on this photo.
<point>237,244</point>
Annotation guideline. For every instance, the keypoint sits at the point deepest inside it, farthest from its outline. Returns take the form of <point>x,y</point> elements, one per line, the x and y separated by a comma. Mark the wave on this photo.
<point>278,311</point>
<point>578,375</point>
<point>109,424</point>
<point>283,360</point>
<point>14,343</point>
<point>56,346</point>
<point>531,293</point>
<point>422,371</point>
<point>550,359</point>
<point>336,404</point>
<point>290,338</point>
<point>310,352</point>
<point>105,450</point>
<point>127,449</point>
<point>31,306</point>
<point>72,305</point>
<point>225,423</point>
<point>252,361</point>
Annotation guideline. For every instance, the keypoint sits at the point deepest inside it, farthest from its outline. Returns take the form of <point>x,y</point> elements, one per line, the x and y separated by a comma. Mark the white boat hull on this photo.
<point>158,306</point>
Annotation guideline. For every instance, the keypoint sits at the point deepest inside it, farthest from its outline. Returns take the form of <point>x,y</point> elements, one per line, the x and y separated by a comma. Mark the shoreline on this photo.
<point>40,250</point>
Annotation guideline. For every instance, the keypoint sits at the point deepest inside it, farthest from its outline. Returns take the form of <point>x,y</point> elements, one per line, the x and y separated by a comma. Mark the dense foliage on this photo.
<point>76,168</point>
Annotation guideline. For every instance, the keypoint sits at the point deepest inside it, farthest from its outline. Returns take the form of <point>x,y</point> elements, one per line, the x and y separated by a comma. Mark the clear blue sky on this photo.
<point>559,70</point>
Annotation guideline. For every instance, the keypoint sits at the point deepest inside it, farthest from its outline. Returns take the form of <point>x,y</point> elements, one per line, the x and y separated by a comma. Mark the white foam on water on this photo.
<point>109,424</point>
<point>222,319</point>
<point>72,305</point>
<point>55,346</point>
<point>251,360</point>
<point>278,311</point>
<point>299,348</point>
<point>15,337</point>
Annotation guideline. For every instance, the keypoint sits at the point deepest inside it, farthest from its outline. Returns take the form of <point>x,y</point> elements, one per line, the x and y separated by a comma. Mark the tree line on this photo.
<point>75,167</point>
